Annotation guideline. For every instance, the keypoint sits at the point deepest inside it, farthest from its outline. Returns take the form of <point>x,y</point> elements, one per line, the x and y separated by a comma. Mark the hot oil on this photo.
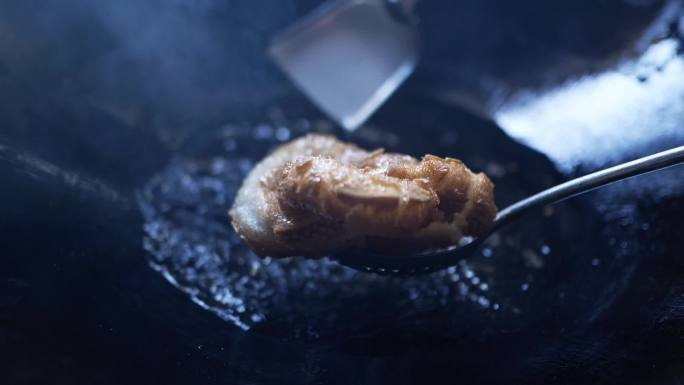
<point>190,241</point>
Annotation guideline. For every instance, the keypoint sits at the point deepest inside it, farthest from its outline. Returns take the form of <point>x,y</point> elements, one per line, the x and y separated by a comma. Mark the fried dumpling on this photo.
<point>317,195</point>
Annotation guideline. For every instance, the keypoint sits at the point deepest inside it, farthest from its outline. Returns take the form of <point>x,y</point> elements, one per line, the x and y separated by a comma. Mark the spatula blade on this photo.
<point>348,57</point>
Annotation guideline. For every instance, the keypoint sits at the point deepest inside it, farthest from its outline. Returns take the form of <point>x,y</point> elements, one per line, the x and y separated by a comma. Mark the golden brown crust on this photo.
<point>372,204</point>
<point>316,195</point>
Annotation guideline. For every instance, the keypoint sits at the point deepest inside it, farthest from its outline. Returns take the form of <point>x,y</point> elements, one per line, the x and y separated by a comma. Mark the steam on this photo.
<point>173,60</point>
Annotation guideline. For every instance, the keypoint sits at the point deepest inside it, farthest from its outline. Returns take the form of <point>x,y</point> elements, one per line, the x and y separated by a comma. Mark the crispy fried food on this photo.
<point>317,195</point>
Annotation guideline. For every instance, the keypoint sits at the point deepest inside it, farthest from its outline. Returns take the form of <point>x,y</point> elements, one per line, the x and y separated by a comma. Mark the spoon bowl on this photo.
<point>406,265</point>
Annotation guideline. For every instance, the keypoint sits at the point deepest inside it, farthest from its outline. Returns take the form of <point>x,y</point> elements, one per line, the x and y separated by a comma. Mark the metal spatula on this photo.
<point>349,56</point>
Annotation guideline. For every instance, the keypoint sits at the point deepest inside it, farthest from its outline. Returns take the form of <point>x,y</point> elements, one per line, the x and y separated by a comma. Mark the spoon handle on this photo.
<point>591,181</point>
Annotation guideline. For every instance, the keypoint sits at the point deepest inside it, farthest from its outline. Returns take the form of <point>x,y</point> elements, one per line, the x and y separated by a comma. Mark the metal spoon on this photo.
<point>430,261</point>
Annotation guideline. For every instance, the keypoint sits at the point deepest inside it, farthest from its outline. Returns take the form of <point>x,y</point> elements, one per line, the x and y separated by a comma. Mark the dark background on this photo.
<point>102,94</point>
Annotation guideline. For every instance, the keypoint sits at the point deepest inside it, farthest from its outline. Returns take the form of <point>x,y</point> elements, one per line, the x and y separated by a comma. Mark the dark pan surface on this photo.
<point>580,291</point>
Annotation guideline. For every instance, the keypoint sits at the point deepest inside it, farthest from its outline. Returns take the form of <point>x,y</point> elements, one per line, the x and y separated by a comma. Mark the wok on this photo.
<point>119,264</point>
